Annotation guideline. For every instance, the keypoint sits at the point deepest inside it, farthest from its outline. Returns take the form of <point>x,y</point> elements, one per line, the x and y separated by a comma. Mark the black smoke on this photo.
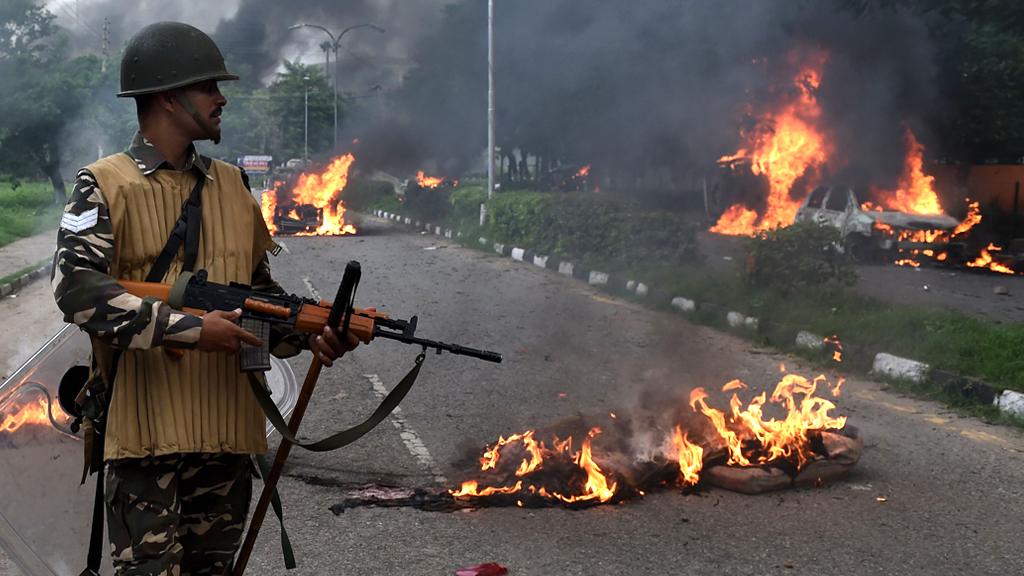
<point>651,93</point>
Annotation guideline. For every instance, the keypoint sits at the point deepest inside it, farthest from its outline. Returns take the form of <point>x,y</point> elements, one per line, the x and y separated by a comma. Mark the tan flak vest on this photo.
<point>200,402</point>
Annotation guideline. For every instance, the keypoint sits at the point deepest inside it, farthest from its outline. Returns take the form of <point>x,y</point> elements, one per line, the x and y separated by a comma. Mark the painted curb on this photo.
<point>14,286</point>
<point>884,365</point>
<point>1011,402</point>
<point>810,341</point>
<point>892,366</point>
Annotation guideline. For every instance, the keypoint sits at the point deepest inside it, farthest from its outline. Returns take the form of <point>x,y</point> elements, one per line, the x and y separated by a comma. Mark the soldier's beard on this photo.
<point>214,133</point>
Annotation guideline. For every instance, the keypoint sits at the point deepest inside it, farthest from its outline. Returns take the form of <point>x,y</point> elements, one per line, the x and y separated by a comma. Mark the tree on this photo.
<point>285,111</point>
<point>46,92</point>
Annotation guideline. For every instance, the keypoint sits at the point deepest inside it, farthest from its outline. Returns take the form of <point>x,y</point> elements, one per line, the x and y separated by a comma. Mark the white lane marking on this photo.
<point>312,289</point>
<point>409,436</point>
<point>284,247</point>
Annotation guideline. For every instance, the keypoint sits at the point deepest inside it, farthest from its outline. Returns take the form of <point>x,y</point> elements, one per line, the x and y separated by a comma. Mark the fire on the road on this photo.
<point>321,191</point>
<point>36,412</point>
<point>745,435</point>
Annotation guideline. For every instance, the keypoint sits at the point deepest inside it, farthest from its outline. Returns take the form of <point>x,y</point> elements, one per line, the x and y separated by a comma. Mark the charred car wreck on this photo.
<point>873,234</point>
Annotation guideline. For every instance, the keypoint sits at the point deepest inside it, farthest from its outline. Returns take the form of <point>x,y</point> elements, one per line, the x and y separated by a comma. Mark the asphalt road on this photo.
<point>952,490</point>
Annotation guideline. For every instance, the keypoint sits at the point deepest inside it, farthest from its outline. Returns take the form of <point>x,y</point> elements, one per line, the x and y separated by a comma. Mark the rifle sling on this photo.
<point>345,437</point>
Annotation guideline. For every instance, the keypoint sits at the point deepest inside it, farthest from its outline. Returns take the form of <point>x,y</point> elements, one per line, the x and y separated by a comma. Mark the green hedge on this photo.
<point>591,228</point>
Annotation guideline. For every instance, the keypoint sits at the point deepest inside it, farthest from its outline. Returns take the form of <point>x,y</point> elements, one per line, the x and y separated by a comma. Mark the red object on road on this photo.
<point>488,569</point>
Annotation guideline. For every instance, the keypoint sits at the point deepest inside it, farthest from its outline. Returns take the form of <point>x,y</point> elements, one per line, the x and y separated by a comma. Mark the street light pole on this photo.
<point>490,99</point>
<point>305,144</point>
<point>335,44</point>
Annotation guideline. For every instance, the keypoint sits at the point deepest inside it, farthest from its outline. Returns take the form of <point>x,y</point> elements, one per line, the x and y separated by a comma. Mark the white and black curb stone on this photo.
<point>900,368</point>
<point>810,341</point>
<point>25,279</point>
<point>1011,402</point>
<point>884,365</point>
<point>684,304</point>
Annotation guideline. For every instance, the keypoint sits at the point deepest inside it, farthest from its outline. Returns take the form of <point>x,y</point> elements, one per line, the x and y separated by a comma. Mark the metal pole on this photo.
<point>490,99</point>
<point>336,96</point>
<point>305,145</point>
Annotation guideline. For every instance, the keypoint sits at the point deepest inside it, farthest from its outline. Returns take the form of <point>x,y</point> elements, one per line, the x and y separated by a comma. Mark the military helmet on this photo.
<point>169,55</point>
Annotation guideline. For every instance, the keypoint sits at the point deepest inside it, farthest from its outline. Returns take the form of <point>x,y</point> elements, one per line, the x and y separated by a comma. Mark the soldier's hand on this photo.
<point>220,333</point>
<point>328,347</point>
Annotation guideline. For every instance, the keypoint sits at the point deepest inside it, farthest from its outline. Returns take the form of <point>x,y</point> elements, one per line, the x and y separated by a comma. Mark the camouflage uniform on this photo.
<point>178,512</point>
<point>168,514</point>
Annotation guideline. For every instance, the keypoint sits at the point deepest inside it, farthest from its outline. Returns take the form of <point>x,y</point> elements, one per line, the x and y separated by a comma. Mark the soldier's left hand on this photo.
<point>328,347</point>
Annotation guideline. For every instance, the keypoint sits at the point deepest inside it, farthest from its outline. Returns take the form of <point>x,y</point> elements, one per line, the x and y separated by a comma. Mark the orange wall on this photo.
<point>988,184</point>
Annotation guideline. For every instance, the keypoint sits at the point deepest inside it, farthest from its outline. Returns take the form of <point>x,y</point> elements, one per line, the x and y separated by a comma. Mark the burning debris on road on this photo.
<point>311,204</point>
<point>790,436</point>
<point>768,442</point>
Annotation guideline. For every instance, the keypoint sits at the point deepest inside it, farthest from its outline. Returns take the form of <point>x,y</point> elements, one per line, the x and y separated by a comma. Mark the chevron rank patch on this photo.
<point>75,223</point>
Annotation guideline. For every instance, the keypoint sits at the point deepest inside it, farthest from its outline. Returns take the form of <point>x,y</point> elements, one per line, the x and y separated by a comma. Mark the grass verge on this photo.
<point>26,208</point>
<point>15,275</point>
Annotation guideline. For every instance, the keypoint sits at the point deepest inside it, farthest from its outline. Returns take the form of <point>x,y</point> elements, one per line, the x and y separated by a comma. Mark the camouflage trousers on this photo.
<point>177,515</point>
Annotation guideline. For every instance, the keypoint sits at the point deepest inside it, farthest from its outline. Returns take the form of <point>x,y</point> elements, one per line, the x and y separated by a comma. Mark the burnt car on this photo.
<point>293,218</point>
<point>876,234</point>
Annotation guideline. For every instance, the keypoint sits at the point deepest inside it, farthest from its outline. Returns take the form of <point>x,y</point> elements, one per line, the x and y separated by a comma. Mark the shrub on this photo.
<point>465,203</point>
<point>804,254</point>
<point>591,227</point>
<point>363,193</point>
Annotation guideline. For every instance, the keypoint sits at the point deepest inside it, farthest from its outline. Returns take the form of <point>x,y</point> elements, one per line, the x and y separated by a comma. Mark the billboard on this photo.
<point>255,164</point>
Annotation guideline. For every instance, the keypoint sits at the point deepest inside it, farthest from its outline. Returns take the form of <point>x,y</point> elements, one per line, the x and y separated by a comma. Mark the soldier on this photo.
<point>180,427</point>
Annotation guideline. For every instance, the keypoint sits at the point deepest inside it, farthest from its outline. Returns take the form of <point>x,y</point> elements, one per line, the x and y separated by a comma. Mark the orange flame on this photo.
<point>837,347</point>
<point>751,437</point>
<point>738,220</point>
<point>972,219</point>
<point>691,458</point>
<point>916,192</point>
<point>428,181</point>
<point>323,191</point>
<point>784,147</point>
<point>268,207</point>
<point>583,172</point>
<point>985,260</point>
<point>596,487</point>
<point>35,412</point>
<point>775,439</point>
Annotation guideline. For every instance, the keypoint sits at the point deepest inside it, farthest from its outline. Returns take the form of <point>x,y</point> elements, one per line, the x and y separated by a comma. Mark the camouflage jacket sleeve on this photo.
<point>284,343</point>
<point>91,298</point>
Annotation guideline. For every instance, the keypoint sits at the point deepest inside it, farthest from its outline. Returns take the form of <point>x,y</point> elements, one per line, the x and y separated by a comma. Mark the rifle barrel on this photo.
<point>487,355</point>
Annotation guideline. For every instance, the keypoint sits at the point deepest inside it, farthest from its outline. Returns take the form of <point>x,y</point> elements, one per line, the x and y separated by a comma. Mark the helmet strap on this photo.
<point>182,99</point>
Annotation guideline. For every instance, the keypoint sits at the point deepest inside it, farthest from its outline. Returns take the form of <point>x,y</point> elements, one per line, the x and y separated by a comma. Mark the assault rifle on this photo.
<point>195,294</point>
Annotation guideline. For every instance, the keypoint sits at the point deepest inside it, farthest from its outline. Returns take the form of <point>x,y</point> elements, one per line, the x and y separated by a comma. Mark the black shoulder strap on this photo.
<point>186,230</point>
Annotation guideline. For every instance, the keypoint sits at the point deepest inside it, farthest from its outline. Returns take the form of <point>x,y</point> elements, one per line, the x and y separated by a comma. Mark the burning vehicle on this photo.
<point>874,234</point>
<point>785,155</point>
<point>422,182</point>
<point>567,178</point>
<point>309,204</point>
